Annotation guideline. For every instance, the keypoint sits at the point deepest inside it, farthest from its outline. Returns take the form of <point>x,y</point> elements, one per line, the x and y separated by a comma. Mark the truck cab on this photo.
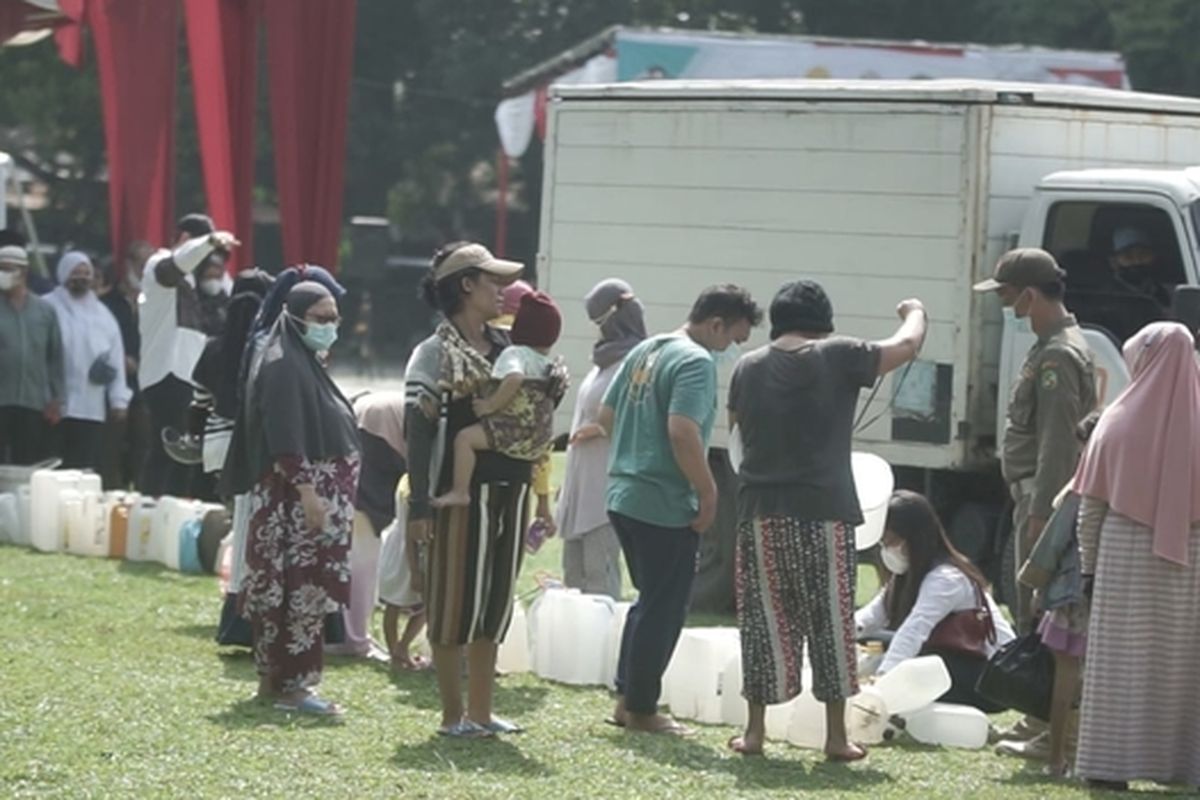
<point>1083,217</point>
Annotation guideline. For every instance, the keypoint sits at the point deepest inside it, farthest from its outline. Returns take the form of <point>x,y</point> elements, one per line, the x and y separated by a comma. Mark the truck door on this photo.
<point>1124,253</point>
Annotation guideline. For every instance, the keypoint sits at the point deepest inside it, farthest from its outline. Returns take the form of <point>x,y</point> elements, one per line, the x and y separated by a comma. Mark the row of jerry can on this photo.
<point>575,638</point>
<point>67,511</point>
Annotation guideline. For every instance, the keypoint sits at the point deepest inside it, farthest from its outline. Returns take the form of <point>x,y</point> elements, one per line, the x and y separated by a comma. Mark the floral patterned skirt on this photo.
<point>295,575</point>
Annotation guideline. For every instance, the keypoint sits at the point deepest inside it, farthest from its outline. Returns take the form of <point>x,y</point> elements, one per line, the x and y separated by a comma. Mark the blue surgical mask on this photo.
<point>319,336</point>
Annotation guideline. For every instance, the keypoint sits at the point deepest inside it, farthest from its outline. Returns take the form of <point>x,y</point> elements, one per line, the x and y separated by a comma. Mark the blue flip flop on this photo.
<point>311,705</point>
<point>466,729</point>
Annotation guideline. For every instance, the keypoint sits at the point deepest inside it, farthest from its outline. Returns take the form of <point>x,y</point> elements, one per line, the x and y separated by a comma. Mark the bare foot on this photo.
<point>656,723</point>
<point>746,745</point>
<point>409,663</point>
<point>452,498</point>
<point>845,753</point>
<point>620,717</point>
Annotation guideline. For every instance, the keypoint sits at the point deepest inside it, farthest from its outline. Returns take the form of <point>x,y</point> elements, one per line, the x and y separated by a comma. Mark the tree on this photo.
<point>421,145</point>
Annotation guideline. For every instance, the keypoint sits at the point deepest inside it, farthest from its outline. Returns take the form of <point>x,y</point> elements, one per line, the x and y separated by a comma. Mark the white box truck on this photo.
<point>879,190</point>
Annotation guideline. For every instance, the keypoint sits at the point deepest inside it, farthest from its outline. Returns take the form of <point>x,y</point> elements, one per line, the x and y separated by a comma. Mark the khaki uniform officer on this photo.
<point>1055,391</point>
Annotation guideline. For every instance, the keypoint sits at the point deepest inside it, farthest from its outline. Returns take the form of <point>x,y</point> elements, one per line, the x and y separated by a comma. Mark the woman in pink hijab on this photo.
<point>1139,538</point>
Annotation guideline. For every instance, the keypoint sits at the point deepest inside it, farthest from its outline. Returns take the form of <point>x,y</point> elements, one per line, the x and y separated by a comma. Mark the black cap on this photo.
<point>1022,268</point>
<point>195,225</point>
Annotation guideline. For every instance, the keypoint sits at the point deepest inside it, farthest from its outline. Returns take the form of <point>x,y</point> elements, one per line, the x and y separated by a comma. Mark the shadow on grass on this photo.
<point>238,664</point>
<point>493,755</point>
<point>419,690</point>
<point>207,633</point>
<point>750,773</point>
<point>768,773</point>
<point>255,713</point>
<point>152,569</point>
<point>1031,776</point>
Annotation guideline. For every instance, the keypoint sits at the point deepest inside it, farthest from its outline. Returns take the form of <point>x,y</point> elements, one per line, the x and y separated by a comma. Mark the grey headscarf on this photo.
<point>623,329</point>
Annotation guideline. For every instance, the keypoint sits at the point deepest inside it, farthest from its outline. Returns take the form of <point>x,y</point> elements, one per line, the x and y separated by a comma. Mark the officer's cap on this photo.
<point>1022,268</point>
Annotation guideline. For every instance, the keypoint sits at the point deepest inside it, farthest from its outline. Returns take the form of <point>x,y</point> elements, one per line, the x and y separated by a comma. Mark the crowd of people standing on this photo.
<point>422,499</point>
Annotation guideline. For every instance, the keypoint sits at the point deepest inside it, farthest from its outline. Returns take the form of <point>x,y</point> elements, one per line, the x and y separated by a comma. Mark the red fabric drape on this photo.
<point>69,35</point>
<point>310,46</point>
<point>136,43</point>
<point>222,40</point>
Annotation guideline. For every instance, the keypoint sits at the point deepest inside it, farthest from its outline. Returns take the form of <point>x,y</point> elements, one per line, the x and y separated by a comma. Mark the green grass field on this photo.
<point>111,686</point>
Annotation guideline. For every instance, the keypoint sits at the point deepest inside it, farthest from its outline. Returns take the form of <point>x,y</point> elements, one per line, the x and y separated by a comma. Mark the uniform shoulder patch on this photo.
<point>1049,378</point>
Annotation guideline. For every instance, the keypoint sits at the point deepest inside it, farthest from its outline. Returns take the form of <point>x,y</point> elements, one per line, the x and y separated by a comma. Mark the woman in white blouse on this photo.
<point>930,581</point>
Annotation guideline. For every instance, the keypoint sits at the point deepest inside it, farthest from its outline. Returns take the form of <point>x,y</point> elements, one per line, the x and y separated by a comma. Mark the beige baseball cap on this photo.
<point>477,256</point>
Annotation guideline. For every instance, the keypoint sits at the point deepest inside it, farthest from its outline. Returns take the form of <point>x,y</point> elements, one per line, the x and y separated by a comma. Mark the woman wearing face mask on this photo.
<point>591,552</point>
<point>794,402</point>
<point>303,448</point>
<point>94,364</point>
<point>236,475</point>
<point>930,581</point>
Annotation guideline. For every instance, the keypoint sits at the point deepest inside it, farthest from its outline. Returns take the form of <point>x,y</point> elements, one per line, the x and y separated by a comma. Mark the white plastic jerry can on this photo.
<point>949,725</point>
<point>86,524</point>
<point>513,656</point>
<point>913,684</point>
<point>46,521</point>
<point>140,529</point>
<point>10,518</point>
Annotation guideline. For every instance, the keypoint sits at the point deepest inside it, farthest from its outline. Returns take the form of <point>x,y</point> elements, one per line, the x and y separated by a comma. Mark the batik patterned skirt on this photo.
<point>795,586</point>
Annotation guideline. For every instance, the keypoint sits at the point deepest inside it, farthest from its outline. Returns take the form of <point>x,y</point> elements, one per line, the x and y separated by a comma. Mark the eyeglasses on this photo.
<point>325,320</point>
<point>321,320</point>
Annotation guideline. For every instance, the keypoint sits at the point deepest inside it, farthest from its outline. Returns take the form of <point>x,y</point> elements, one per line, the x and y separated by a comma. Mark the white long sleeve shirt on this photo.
<point>170,345</point>
<point>944,591</point>
<point>89,331</point>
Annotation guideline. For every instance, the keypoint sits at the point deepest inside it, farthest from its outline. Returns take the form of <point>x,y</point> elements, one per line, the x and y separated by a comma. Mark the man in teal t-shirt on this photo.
<point>659,411</point>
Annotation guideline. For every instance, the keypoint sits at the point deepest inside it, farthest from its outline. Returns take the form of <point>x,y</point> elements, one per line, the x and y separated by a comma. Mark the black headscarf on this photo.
<point>623,328</point>
<point>253,281</point>
<point>243,308</point>
<point>292,406</point>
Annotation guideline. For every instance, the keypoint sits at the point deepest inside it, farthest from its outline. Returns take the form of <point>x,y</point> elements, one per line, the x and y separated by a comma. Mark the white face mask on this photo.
<point>7,281</point>
<point>730,354</point>
<point>894,559</point>
<point>211,286</point>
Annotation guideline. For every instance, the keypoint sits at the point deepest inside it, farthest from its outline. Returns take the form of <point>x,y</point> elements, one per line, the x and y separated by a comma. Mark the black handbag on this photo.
<point>101,372</point>
<point>1020,676</point>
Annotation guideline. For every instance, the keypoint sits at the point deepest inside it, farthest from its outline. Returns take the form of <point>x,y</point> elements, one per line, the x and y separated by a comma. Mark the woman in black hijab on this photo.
<point>303,456</point>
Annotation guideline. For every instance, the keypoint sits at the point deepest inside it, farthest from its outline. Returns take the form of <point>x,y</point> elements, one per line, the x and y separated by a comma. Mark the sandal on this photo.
<point>465,729</point>
<point>498,725</point>
<point>312,705</point>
